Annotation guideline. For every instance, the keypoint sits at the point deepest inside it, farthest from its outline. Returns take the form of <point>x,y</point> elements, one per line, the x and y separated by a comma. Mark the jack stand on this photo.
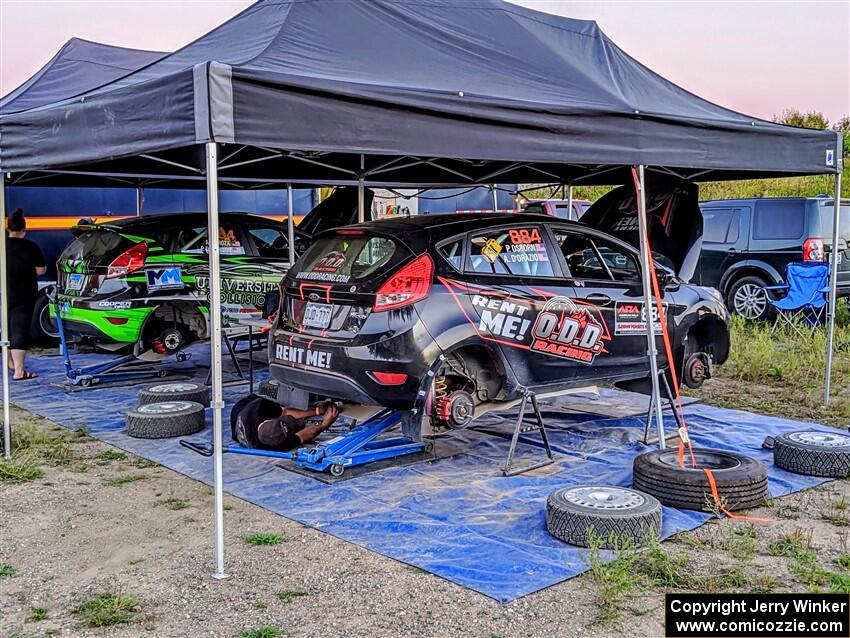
<point>521,427</point>
<point>356,447</point>
<point>673,408</point>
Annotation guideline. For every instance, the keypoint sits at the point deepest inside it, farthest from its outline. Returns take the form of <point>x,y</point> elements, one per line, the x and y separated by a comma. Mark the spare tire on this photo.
<point>165,419</point>
<point>741,481</point>
<point>813,453</point>
<point>615,514</point>
<point>175,391</point>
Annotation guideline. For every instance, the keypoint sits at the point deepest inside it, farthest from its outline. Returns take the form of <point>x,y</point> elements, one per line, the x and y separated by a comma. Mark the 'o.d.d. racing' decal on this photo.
<point>327,269</point>
<point>630,318</point>
<point>561,328</point>
<point>163,278</point>
<point>565,330</point>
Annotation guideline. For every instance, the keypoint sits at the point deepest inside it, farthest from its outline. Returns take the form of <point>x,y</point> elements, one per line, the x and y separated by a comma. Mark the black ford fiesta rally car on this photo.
<point>443,312</point>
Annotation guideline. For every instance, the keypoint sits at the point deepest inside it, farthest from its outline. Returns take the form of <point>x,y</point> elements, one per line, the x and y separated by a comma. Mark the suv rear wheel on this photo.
<point>747,298</point>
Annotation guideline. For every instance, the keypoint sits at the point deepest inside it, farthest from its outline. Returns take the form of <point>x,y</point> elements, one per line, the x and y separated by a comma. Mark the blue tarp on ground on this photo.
<point>457,517</point>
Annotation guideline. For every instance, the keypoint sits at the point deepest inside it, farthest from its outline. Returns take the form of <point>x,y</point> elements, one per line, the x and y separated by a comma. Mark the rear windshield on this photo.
<point>93,243</point>
<point>345,258</point>
<point>826,212</point>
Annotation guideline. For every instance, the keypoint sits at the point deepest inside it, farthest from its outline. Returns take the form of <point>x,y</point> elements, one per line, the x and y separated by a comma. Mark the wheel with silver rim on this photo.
<point>813,452</point>
<point>616,516</point>
<point>175,391</point>
<point>165,419</point>
<point>748,298</point>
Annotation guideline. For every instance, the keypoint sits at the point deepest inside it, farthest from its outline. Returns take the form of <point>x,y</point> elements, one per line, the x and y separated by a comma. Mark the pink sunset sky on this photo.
<point>754,57</point>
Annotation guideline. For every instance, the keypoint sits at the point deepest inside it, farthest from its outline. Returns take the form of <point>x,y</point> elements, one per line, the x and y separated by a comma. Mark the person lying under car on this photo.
<point>256,422</point>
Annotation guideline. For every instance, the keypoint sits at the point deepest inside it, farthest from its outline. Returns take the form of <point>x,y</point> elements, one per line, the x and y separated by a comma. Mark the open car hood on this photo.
<point>673,215</point>
<point>340,209</point>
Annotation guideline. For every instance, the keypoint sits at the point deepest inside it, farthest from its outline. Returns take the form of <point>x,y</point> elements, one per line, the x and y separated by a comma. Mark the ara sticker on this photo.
<point>164,278</point>
<point>491,250</point>
<point>630,318</point>
<point>565,330</point>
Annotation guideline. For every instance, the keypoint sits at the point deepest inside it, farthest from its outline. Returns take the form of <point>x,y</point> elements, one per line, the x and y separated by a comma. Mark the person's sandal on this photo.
<point>27,376</point>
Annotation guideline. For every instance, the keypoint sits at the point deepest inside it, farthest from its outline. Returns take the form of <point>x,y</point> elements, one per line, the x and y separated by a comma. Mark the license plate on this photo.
<point>75,281</point>
<point>317,315</point>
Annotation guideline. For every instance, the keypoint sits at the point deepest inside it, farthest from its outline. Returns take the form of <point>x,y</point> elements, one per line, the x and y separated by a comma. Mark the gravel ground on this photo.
<point>74,533</point>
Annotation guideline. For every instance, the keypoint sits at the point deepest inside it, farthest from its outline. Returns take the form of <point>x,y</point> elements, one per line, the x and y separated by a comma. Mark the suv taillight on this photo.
<point>129,261</point>
<point>409,285</point>
<point>813,249</point>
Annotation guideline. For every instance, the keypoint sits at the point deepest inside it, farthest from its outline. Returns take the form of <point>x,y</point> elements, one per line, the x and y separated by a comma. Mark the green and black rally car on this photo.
<point>146,280</point>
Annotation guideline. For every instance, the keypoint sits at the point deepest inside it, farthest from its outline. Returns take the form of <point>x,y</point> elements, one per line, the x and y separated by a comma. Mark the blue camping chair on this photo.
<point>806,286</point>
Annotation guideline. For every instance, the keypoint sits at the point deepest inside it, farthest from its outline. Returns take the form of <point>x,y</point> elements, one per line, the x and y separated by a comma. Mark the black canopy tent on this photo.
<point>397,93</point>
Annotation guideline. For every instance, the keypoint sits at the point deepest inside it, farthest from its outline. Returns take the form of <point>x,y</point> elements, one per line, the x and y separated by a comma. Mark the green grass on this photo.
<point>267,631</point>
<point>37,614</point>
<point>289,595</point>
<point>614,580</point>
<point>264,539</point>
<point>174,504</point>
<point>21,467</point>
<point>7,571</point>
<point>107,609</point>
<point>112,455</point>
<point>124,479</point>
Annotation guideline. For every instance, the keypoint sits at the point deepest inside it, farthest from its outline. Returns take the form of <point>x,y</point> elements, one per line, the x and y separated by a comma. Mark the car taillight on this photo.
<point>389,378</point>
<point>409,285</point>
<point>129,261</point>
<point>813,249</point>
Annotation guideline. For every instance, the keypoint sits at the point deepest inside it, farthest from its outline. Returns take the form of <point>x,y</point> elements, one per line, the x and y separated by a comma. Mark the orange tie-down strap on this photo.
<point>684,439</point>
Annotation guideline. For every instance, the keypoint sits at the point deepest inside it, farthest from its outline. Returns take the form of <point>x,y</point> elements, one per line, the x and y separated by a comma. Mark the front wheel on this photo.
<point>747,298</point>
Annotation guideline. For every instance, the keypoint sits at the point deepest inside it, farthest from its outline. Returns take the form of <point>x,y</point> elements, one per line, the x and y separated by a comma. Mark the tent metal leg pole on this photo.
<point>652,351</point>
<point>361,194</point>
<point>290,225</point>
<point>217,402</point>
<point>833,285</point>
<point>495,199</point>
<point>4,321</point>
<point>570,203</point>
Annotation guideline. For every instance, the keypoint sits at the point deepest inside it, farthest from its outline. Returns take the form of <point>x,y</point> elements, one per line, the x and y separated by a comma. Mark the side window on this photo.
<point>452,252</point>
<point>228,241</point>
<point>192,240</point>
<point>716,224</point>
<point>271,242</point>
<point>589,257</point>
<point>519,251</point>
<point>778,219</point>
<point>734,227</point>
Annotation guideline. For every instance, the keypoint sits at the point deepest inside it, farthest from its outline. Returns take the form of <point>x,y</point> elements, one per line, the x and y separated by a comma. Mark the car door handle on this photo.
<point>598,299</point>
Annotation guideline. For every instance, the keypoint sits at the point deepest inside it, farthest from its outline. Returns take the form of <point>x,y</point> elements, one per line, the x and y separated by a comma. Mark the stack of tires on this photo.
<point>169,409</point>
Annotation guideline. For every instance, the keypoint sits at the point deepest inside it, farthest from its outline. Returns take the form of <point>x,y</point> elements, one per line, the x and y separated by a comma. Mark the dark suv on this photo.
<point>748,242</point>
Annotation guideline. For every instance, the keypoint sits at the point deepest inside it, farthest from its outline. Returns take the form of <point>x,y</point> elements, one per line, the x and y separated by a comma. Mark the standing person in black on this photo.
<point>25,264</point>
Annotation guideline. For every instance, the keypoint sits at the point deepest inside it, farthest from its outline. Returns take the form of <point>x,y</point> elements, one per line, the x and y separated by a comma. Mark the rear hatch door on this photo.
<point>340,209</point>
<point>826,214</point>
<point>331,290</point>
<point>84,263</point>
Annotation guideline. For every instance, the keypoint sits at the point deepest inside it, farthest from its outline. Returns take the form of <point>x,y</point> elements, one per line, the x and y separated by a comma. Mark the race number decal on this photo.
<point>630,318</point>
<point>565,330</point>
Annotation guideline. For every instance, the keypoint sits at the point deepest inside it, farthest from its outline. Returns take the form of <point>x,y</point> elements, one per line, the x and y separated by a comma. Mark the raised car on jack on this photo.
<point>437,314</point>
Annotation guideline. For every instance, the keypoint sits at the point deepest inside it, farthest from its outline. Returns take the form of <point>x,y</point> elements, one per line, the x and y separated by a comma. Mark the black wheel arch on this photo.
<point>749,267</point>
